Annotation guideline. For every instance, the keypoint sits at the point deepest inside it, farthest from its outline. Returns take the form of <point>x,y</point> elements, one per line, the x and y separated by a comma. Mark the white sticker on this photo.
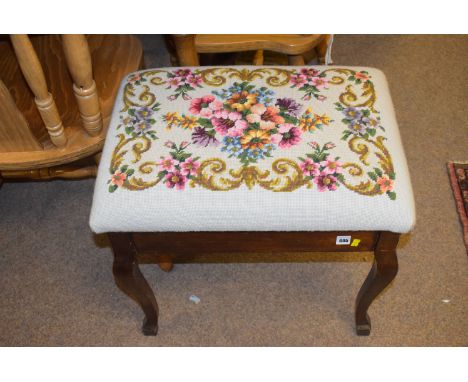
<point>343,240</point>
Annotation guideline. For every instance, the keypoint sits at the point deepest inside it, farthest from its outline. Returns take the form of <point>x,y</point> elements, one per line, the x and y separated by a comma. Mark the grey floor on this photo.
<point>56,285</point>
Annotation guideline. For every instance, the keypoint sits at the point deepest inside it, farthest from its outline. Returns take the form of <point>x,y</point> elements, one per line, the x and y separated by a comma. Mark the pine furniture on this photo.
<point>296,46</point>
<point>56,97</point>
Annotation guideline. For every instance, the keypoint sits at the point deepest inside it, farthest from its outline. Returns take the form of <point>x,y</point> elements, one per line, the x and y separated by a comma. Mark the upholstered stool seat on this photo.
<point>253,149</point>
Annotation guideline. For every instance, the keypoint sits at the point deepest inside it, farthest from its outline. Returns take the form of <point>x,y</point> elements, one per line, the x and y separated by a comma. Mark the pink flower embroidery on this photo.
<point>361,76</point>
<point>319,82</point>
<point>134,77</point>
<point>173,82</point>
<point>329,145</point>
<point>189,167</point>
<point>313,144</point>
<point>309,72</point>
<point>325,182</point>
<point>205,106</point>
<point>267,117</point>
<point>183,72</point>
<point>298,80</point>
<point>289,135</point>
<point>310,168</point>
<point>175,179</point>
<point>386,184</point>
<point>169,144</point>
<point>331,167</point>
<point>118,178</point>
<point>194,80</point>
<point>168,164</point>
<point>229,123</point>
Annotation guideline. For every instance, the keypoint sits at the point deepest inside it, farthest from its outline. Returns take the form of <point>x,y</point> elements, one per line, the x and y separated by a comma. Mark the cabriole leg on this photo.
<point>130,280</point>
<point>383,271</point>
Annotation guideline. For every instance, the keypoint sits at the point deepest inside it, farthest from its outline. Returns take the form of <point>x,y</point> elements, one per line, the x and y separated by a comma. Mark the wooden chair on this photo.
<point>296,47</point>
<point>56,97</point>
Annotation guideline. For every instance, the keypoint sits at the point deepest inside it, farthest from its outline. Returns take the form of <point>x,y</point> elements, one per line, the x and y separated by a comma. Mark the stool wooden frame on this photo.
<point>168,246</point>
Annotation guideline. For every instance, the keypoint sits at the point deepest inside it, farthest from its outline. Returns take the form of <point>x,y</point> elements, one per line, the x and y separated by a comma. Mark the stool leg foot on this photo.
<point>131,281</point>
<point>363,328</point>
<point>149,328</point>
<point>166,263</point>
<point>383,271</point>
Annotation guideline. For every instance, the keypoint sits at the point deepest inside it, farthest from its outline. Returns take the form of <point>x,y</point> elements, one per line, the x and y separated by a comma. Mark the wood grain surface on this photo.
<point>112,56</point>
<point>14,130</point>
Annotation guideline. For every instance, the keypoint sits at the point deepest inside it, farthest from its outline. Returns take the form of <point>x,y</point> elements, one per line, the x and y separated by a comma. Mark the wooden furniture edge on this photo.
<point>287,44</point>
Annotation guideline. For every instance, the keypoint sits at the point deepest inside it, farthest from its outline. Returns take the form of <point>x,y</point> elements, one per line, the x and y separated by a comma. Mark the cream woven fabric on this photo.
<point>253,149</point>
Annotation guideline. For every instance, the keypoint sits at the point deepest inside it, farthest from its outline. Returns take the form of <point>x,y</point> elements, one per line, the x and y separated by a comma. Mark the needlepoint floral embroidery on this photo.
<point>119,177</point>
<point>247,128</point>
<point>177,168</point>
<point>321,167</point>
<point>244,116</point>
<point>139,121</point>
<point>183,81</point>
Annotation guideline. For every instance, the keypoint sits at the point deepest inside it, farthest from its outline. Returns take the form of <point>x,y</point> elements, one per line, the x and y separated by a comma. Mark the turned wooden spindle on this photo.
<point>32,71</point>
<point>258,57</point>
<point>78,58</point>
<point>296,60</point>
<point>186,50</point>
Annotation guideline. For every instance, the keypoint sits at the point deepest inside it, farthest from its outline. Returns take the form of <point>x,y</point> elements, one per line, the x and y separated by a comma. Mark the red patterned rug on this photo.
<point>458,173</point>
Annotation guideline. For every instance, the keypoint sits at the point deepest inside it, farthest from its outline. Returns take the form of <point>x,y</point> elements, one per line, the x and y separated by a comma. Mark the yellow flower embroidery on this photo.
<point>308,124</point>
<point>172,119</point>
<point>322,119</point>
<point>311,121</point>
<point>255,139</point>
<point>188,122</point>
<point>242,101</point>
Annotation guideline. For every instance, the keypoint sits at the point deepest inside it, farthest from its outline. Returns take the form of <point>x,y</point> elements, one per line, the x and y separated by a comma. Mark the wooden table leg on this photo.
<point>383,271</point>
<point>130,280</point>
